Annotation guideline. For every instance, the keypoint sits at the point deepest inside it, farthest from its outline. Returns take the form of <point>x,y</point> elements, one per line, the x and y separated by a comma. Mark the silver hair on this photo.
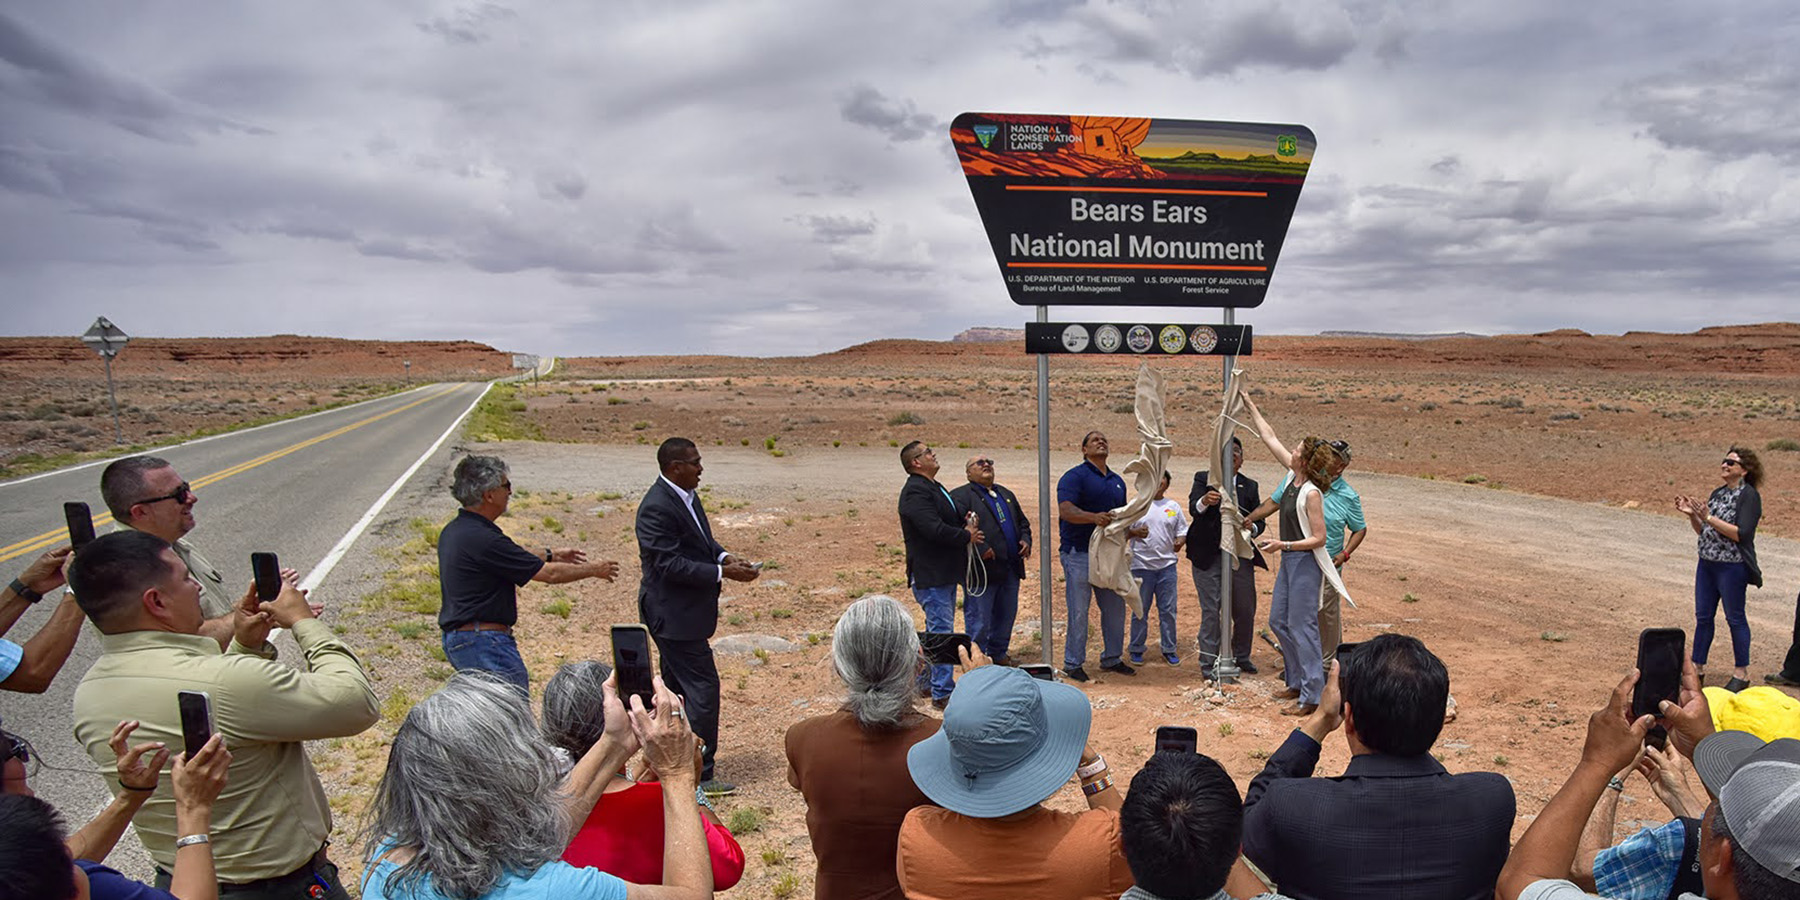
<point>574,706</point>
<point>875,650</point>
<point>472,788</point>
<point>475,476</point>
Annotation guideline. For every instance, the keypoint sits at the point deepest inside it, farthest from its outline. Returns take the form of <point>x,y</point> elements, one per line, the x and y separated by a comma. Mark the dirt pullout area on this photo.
<point>53,399</point>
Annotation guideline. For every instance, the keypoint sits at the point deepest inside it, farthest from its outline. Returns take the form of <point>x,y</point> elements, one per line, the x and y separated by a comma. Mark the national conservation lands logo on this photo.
<point>985,134</point>
<point>1285,145</point>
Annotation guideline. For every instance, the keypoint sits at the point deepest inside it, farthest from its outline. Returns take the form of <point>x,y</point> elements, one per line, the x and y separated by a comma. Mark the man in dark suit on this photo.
<point>1395,824</point>
<point>989,616</point>
<point>936,533</point>
<point>1203,552</point>
<point>678,598</point>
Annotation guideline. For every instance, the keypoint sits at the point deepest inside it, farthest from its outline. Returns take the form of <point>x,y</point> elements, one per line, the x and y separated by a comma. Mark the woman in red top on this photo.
<point>624,833</point>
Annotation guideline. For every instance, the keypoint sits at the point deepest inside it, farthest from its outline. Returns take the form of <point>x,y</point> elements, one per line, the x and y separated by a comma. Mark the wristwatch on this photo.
<point>31,596</point>
<point>549,555</point>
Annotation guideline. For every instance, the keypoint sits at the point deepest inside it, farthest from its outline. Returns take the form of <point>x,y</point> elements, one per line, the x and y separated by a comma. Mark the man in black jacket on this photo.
<point>1395,824</point>
<point>678,597</point>
<point>937,535</point>
<point>989,615</point>
<point>1203,552</point>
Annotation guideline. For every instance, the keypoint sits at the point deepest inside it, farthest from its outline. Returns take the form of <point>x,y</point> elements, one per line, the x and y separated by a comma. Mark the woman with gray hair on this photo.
<point>850,765</point>
<point>624,833</point>
<point>473,804</point>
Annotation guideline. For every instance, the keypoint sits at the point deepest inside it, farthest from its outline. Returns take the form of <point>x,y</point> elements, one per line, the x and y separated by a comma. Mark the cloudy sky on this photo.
<point>626,176</point>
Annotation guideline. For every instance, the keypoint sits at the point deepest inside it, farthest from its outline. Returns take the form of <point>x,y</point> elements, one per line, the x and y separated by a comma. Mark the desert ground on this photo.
<point>1518,491</point>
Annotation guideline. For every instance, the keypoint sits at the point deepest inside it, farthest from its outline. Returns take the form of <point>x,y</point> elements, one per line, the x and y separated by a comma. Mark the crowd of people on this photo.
<point>601,796</point>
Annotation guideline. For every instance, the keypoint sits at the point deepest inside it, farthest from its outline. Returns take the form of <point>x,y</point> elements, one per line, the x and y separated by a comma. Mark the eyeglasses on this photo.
<point>180,495</point>
<point>1728,461</point>
<point>984,462</point>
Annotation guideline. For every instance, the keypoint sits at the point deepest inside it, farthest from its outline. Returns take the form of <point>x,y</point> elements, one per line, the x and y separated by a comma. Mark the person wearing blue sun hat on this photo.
<point>1009,742</point>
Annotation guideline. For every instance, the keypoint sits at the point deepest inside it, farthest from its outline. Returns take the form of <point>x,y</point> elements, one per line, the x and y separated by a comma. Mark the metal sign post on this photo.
<point>107,340</point>
<point>1225,667</point>
<point>1046,624</point>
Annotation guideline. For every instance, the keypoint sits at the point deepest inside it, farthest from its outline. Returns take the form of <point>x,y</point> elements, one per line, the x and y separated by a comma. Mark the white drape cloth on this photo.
<point>1234,540</point>
<point>1308,489</point>
<point>1109,550</point>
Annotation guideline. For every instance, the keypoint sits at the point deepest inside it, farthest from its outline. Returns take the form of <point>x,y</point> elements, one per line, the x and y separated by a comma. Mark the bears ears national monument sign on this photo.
<point>1117,211</point>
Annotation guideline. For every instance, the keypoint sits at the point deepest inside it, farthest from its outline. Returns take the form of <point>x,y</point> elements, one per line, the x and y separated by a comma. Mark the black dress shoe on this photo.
<point>938,703</point>
<point>1780,680</point>
<point>1119,668</point>
<point>1736,684</point>
<point>1075,673</point>
<point>1247,667</point>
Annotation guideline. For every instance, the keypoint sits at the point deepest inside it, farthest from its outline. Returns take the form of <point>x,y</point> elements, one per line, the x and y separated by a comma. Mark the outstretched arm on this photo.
<point>1267,433</point>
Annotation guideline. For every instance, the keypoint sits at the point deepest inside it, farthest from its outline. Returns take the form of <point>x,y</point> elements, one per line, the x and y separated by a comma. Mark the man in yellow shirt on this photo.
<point>271,823</point>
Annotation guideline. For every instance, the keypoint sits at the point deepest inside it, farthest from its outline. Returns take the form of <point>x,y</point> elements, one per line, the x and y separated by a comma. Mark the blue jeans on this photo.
<point>1112,615</point>
<point>990,616</point>
<point>488,651</point>
<point>1294,617</point>
<point>1715,582</point>
<point>1158,587</point>
<point>940,618</point>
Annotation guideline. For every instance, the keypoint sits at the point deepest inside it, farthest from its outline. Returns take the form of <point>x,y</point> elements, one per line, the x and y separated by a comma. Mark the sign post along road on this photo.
<point>1126,211</point>
<point>107,340</point>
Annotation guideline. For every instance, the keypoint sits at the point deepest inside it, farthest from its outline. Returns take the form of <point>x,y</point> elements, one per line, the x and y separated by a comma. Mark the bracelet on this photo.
<point>1616,784</point>
<point>192,839</point>
<point>148,790</point>
<point>700,798</point>
<point>1092,769</point>
<point>549,555</point>
<point>1095,787</point>
<point>24,592</point>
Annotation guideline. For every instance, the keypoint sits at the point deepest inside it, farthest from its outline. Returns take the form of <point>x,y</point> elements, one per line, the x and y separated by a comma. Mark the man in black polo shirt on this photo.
<point>480,570</point>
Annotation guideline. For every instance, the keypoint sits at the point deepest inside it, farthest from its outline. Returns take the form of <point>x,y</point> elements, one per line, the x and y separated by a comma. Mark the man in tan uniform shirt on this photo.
<point>271,822</point>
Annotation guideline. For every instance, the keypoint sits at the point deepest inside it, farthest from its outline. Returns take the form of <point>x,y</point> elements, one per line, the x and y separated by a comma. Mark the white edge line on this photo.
<point>214,437</point>
<point>318,573</point>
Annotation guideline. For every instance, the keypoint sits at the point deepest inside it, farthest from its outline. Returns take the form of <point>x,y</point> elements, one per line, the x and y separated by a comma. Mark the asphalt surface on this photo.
<point>301,488</point>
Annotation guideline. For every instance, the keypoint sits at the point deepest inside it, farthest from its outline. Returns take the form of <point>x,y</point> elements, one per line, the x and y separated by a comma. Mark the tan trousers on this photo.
<point>1331,622</point>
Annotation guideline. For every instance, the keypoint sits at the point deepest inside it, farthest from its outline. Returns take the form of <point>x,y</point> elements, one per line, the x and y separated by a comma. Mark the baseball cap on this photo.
<point>1758,786</point>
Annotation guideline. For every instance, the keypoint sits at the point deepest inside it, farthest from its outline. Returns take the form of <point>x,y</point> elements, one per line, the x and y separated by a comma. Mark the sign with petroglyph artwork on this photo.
<point>1113,211</point>
<point>1137,339</point>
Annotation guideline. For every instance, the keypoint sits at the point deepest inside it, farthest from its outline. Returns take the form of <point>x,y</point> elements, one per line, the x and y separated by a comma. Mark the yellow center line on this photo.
<point>52,538</point>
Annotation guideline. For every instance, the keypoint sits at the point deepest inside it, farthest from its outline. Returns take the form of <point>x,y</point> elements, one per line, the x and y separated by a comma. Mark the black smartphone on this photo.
<point>940,649</point>
<point>1040,671</point>
<point>196,720</point>
<point>1177,739</point>
<point>267,570</point>
<point>81,524</point>
<point>1342,655</point>
<point>631,663</point>
<point>1659,670</point>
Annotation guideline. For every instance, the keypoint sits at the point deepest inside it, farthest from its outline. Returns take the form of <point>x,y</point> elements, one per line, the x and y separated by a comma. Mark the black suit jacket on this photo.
<point>932,528</point>
<point>1203,535</point>
<point>969,498</point>
<point>678,595</point>
<point>1389,828</point>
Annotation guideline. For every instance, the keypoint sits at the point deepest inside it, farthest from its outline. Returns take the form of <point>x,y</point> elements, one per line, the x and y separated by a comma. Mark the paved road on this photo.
<point>302,488</point>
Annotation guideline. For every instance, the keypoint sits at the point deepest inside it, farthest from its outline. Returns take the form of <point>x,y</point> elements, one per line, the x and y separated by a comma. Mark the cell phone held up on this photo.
<point>1040,671</point>
<point>1659,657</point>
<point>81,524</point>
<point>196,720</point>
<point>940,649</point>
<point>267,570</point>
<point>631,664</point>
<point>1177,739</point>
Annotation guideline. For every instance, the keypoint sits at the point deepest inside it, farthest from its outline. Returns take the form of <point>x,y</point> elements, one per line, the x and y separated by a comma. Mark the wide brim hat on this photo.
<point>1008,742</point>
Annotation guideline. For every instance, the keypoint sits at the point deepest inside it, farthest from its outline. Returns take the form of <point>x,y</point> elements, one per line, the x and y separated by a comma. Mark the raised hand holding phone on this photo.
<point>81,524</point>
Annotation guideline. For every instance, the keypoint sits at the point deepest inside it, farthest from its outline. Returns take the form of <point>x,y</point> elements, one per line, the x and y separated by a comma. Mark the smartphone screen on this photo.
<point>267,570</point>
<point>196,720</point>
<point>940,649</point>
<point>81,524</point>
<point>631,662</point>
<point>1040,671</point>
<point>1659,669</point>
<point>1177,739</point>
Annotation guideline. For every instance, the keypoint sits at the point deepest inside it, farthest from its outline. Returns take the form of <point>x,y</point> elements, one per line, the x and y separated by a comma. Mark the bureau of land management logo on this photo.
<point>985,134</point>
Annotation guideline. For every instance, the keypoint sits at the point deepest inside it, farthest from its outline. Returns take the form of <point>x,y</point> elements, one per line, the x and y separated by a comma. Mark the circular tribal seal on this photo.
<point>1140,339</point>
<point>1108,338</point>
<point>1204,339</point>
<point>1171,338</point>
<point>1075,339</point>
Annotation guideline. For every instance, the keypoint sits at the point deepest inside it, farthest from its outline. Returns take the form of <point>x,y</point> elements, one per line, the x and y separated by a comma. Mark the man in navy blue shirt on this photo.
<point>1086,497</point>
<point>480,570</point>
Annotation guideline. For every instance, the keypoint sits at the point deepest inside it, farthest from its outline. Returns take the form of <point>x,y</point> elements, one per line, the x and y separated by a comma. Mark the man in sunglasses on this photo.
<point>146,494</point>
<point>989,616</point>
